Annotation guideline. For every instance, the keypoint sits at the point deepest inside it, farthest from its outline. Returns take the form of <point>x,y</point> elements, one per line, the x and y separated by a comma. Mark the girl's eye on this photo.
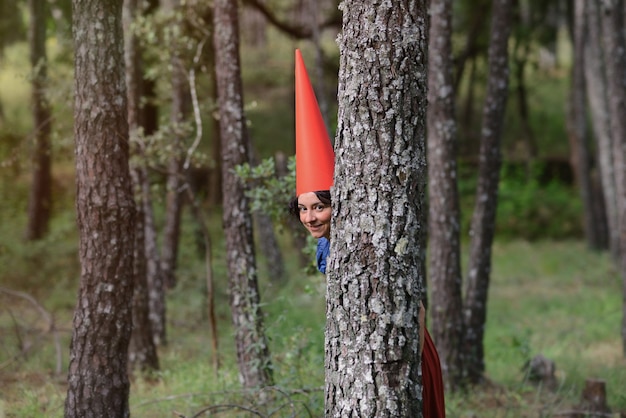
<point>320,208</point>
<point>302,209</point>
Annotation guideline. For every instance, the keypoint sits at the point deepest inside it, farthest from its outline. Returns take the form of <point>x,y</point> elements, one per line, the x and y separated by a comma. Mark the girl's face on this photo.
<point>314,215</point>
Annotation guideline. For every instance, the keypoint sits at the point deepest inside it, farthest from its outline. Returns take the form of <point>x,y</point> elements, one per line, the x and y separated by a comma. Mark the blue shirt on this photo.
<point>323,249</point>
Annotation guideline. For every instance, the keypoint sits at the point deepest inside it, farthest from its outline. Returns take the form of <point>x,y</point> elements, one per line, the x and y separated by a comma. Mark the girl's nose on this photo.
<point>309,216</point>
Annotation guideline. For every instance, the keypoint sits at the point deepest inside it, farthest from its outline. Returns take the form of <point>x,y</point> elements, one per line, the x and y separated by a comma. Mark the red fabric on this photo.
<point>433,404</point>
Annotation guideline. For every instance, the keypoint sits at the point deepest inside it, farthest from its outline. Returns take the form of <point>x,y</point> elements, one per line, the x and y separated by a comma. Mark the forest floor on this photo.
<point>551,298</point>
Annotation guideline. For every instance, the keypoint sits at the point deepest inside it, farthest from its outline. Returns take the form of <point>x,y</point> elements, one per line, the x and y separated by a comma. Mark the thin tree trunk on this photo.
<point>175,175</point>
<point>612,24</point>
<point>98,383</point>
<point>142,349</point>
<point>580,159</point>
<point>268,243</point>
<point>595,77</point>
<point>39,202</point>
<point>142,353</point>
<point>156,287</point>
<point>522,98</point>
<point>149,109</point>
<point>215,175</point>
<point>375,272</point>
<point>472,48</point>
<point>484,216</point>
<point>252,350</point>
<point>466,121</point>
<point>444,213</point>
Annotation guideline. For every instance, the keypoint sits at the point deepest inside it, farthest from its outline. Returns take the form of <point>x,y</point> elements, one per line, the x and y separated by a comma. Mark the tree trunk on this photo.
<point>98,383</point>
<point>484,216</point>
<point>612,23</point>
<point>595,81</point>
<point>444,214</point>
<point>142,353</point>
<point>149,109</point>
<point>528,135</point>
<point>142,349</point>
<point>470,138</point>
<point>252,350</point>
<point>269,246</point>
<point>580,158</point>
<point>175,176</point>
<point>156,287</point>
<point>215,175</point>
<point>473,46</point>
<point>39,202</point>
<point>375,275</point>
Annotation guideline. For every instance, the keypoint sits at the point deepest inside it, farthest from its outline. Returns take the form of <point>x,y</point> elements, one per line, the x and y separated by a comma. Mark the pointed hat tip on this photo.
<point>315,159</point>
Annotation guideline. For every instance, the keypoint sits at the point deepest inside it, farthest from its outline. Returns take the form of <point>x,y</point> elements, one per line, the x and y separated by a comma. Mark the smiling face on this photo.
<point>314,215</point>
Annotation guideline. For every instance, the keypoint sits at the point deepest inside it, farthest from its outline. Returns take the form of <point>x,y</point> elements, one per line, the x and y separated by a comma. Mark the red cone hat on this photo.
<point>315,159</point>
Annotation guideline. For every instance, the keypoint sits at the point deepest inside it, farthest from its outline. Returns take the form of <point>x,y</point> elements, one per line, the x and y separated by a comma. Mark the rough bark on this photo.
<point>252,350</point>
<point>375,274</point>
<point>142,350</point>
<point>595,81</point>
<point>613,41</point>
<point>484,215</point>
<point>39,202</point>
<point>444,214</point>
<point>98,384</point>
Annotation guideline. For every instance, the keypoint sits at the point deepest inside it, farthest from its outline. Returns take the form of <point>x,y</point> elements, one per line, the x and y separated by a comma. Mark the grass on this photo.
<point>552,298</point>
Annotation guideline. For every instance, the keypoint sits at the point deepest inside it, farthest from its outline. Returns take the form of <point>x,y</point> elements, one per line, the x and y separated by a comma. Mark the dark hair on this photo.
<point>322,195</point>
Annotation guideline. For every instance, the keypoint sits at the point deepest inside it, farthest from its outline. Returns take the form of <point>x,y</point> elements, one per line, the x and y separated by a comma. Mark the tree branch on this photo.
<point>295,31</point>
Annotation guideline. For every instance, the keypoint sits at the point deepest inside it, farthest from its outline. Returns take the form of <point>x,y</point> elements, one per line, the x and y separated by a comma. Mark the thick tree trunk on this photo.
<point>444,215</point>
<point>484,216</point>
<point>98,383</point>
<point>39,202</point>
<point>375,280</point>
<point>252,350</point>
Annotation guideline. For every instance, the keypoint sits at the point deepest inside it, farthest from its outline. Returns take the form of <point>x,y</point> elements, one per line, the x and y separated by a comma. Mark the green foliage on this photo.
<point>530,206</point>
<point>268,192</point>
<point>39,265</point>
<point>530,209</point>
